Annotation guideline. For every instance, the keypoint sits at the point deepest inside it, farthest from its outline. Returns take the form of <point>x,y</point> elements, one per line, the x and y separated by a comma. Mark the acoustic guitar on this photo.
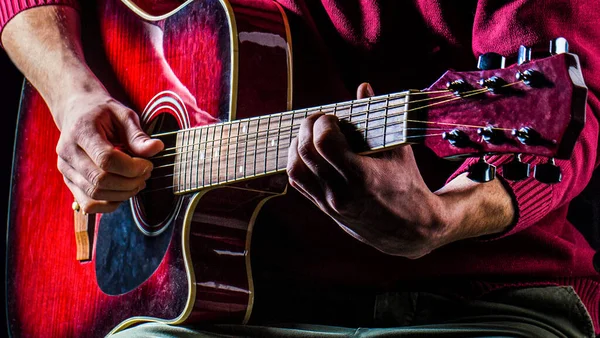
<point>179,252</point>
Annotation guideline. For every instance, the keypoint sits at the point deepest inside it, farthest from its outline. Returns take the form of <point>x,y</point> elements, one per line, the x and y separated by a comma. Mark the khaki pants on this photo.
<point>544,312</point>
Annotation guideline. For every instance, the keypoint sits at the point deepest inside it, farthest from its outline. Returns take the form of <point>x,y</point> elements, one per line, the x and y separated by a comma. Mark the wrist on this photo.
<point>473,210</point>
<point>77,87</point>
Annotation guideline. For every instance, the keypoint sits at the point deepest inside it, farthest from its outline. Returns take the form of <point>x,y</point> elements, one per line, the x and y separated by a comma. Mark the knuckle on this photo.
<point>92,191</point>
<point>104,159</point>
<point>97,177</point>
<point>305,148</point>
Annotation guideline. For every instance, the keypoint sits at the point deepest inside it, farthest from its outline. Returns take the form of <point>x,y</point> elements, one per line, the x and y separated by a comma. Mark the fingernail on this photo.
<point>147,170</point>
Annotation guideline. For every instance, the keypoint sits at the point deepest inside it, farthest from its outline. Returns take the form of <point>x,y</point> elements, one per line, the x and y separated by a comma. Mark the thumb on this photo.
<point>364,90</point>
<point>137,141</point>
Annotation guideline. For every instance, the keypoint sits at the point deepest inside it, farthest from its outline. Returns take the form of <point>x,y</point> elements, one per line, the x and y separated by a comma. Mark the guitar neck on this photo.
<point>242,149</point>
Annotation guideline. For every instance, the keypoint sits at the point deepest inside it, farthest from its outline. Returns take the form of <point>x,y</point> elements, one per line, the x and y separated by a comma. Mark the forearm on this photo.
<point>474,209</point>
<point>45,44</point>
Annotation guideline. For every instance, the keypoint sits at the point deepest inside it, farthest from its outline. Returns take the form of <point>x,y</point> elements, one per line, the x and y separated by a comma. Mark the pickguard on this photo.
<point>125,257</point>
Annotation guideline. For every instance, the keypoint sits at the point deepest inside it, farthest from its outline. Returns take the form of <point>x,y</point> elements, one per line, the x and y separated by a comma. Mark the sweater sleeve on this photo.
<point>501,26</point>
<point>10,8</point>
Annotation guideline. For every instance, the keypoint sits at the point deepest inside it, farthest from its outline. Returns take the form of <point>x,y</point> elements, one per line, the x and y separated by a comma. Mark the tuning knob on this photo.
<point>527,135</point>
<point>491,60</point>
<point>547,172</point>
<point>531,78</point>
<point>481,171</point>
<point>491,135</point>
<point>515,170</point>
<point>458,87</point>
<point>524,55</point>
<point>559,46</point>
<point>457,138</point>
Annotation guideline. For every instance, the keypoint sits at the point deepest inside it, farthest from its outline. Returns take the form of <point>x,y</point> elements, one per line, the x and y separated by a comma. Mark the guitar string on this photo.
<point>292,128</point>
<point>241,178</point>
<point>291,116</point>
<point>345,104</point>
<point>286,128</point>
<point>257,144</point>
<point>258,149</point>
<point>334,110</point>
<point>193,145</point>
<point>266,144</point>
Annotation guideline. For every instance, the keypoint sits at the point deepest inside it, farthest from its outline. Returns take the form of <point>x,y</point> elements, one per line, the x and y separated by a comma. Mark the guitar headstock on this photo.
<point>534,107</point>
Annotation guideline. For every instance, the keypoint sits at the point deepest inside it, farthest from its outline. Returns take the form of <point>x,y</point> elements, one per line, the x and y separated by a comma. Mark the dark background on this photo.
<point>10,89</point>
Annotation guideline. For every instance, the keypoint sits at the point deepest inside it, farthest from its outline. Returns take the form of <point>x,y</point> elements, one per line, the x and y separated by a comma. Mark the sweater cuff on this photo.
<point>10,8</point>
<point>531,198</point>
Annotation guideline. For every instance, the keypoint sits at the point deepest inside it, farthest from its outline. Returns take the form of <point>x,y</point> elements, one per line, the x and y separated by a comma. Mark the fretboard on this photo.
<point>234,151</point>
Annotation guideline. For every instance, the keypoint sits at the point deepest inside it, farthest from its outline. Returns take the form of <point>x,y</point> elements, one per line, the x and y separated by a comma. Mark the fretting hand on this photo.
<point>383,201</point>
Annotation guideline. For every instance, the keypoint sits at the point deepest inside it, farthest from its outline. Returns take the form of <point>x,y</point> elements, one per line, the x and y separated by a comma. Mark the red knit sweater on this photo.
<point>397,45</point>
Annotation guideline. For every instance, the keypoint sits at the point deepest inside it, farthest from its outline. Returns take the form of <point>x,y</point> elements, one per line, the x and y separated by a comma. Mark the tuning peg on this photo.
<point>548,172</point>
<point>491,60</point>
<point>481,171</point>
<point>559,46</point>
<point>491,135</point>
<point>457,138</point>
<point>527,135</point>
<point>515,170</point>
<point>524,55</point>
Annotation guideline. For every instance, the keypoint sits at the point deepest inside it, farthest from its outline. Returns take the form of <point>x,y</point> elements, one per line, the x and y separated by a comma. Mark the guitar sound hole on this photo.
<point>156,205</point>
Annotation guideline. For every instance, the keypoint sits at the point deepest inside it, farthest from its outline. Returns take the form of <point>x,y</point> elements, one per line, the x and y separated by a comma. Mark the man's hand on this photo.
<point>98,138</point>
<point>101,148</point>
<point>383,201</point>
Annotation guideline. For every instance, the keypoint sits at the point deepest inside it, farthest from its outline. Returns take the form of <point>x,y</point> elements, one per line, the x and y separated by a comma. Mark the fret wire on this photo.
<point>218,155</point>
<point>199,156</point>
<point>387,105</point>
<point>267,142</point>
<point>278,142</point>
<point>237,138</point>
<point>227,152</point>
<point>367,118</point>
<point>210,181</point>
<point>291,132</point>
<point>185,163</point>
<point>256,143</point>
<point>180,163</point>
<point>191,157</point>
<point>203,157</point>
<point>246,147</point>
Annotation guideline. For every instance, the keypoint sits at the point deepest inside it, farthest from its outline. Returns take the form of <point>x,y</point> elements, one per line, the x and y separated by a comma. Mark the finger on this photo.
<point>95,192</point>
<point>300,176</point>
<point>137,141</point>
<point>83,166</point>
<point>107,157</point>
<point>308,153</point>
<point>89,205</point>
<point>331,145</point>
<point>364,90</point>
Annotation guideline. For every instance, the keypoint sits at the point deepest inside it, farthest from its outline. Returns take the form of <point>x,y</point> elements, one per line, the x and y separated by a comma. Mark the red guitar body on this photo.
<point>173,63</point>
